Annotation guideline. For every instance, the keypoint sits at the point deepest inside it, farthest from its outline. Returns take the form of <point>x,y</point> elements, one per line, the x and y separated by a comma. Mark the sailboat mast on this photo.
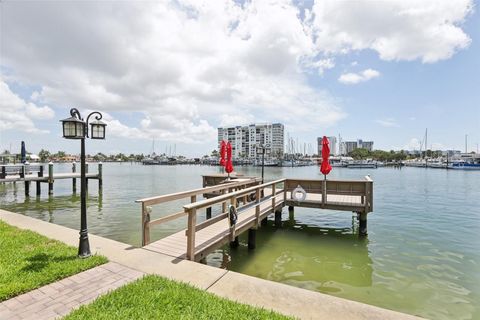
<point>466,143</point>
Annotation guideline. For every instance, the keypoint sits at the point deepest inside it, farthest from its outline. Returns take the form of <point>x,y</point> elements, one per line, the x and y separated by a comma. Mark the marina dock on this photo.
<point>253,203</point>
<point>35,173</point>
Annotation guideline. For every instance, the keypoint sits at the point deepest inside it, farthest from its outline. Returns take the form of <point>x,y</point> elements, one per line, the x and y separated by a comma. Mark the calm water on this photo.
<point>421,255</point>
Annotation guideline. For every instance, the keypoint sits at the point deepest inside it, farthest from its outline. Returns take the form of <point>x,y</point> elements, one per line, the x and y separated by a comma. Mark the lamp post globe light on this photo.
<point>77,128</point>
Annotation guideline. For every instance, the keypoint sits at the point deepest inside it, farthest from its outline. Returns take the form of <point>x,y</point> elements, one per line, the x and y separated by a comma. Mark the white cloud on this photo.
<point>428,30</point>
<point>183,65</point>
<point>388,122</point>
<point>354,78</point>
<point>186,65</point>
<point>18,114</point>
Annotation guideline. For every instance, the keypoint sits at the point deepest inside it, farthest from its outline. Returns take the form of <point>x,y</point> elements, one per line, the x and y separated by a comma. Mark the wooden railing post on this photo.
<point>192,221</point>
<point>274,191</point>
<point>233,202</point>
<point>145,224</point>
<point>257,207</point>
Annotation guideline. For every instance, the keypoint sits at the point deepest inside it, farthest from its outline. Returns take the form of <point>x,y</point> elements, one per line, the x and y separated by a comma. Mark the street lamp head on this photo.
<point>97,129</point>
<point>73,128</point>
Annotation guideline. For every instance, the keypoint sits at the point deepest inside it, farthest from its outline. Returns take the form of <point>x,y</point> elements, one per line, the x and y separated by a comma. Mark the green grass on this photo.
<point>29,260</point>
<point>153,297</point>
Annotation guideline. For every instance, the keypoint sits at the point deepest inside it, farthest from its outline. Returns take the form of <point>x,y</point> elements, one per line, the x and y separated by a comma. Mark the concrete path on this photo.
<point>60,298</point>
<point>297,302</point>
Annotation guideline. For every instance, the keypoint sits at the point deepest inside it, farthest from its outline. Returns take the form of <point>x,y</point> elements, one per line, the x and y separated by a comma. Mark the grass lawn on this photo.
<point>153,297</point>
<point>29,260</point>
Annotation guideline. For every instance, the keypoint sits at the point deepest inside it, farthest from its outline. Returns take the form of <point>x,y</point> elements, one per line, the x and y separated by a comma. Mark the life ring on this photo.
<point>299,190</point>
<point>232,215</point>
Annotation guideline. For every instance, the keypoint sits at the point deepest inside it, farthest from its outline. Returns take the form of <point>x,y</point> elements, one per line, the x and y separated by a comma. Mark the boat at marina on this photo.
<point>438,163</point>
<point>465,164</point>
<point>362,164</point>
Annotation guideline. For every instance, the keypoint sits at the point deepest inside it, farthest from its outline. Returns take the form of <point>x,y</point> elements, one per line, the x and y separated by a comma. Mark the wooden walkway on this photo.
<point>198,240</point>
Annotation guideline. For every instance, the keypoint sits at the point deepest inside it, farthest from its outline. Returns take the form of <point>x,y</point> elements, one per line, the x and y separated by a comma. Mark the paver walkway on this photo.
<point>60,298</point>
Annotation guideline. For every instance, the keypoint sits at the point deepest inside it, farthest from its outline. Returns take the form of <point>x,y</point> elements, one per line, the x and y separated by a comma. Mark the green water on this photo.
<point>421,255</point>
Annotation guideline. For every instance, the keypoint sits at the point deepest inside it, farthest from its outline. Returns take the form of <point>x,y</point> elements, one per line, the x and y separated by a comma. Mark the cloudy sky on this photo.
<point>175,71</point>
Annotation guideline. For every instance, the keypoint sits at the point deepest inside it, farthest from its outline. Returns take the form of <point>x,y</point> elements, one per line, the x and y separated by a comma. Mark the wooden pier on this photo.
<point>253,202</point>
<point>35,173</point>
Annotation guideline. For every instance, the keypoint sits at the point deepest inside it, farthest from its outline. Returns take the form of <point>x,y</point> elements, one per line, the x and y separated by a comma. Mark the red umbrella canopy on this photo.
<point>229,164</point>
<point>326,167</point>
<point>223,151</point>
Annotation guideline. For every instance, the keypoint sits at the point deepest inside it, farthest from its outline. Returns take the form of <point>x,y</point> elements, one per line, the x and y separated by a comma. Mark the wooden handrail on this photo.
<point>222,198</point>
<point>192,194</point>
<point>191,210</point>
<point>185,194</point>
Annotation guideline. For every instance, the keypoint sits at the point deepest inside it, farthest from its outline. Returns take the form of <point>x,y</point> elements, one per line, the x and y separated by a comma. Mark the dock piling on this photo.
<point>264,222</point>
<point>252,234</point>
<point>362,230</point>
<point>39,184</point>
<point>291,213</point>
<point>209,213</point>
<point>50,178</point>
<point>27,188</point>
<point>235,243</point>
<point>278,218</point>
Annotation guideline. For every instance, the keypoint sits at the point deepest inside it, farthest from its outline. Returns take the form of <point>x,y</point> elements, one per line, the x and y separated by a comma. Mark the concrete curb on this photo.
<point>285,299</point>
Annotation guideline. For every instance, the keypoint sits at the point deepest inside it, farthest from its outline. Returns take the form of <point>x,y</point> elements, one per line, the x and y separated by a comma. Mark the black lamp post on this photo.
<point>261,147</point>
<point>76,128</point>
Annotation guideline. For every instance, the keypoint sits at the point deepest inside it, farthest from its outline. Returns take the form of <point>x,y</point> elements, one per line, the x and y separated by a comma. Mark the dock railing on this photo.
<point>233,199</point>
<point>147,203</point>
<point>361,188</point>
<point>257,202</point>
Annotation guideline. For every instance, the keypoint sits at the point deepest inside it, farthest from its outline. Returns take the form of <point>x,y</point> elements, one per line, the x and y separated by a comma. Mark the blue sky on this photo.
<point>174,72</point>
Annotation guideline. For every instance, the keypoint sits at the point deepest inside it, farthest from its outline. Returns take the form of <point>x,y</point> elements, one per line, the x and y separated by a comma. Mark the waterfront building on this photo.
<point>365,144</point>
<point>332,143</point>
<point>244,139</point>
<point>348,146</point>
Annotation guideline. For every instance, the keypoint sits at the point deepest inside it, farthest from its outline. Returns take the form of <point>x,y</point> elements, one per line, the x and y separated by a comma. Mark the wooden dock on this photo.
<point>35,173</point>
<point>253,202</point>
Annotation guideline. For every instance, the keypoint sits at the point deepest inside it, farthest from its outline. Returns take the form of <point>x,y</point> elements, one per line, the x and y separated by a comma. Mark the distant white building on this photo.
<point>244,139</point>
<point>348,146</point>
<point>332,142</point>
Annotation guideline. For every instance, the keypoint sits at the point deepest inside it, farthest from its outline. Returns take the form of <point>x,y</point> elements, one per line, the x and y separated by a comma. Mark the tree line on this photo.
<point>389,156</point>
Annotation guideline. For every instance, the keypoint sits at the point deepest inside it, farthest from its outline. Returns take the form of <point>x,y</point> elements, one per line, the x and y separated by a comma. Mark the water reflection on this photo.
<point>316,258</point>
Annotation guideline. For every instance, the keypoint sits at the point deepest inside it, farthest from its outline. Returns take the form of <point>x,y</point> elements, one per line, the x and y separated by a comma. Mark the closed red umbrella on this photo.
<point>229,164</point>
<point>325,167</point>
<point>223,152</point>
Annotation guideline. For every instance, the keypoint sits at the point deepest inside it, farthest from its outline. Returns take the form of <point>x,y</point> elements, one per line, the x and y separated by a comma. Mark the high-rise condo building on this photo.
<point>244,139</point>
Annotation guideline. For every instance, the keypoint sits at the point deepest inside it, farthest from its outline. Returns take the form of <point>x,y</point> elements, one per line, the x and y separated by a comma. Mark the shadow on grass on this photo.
<point>39,261</point>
